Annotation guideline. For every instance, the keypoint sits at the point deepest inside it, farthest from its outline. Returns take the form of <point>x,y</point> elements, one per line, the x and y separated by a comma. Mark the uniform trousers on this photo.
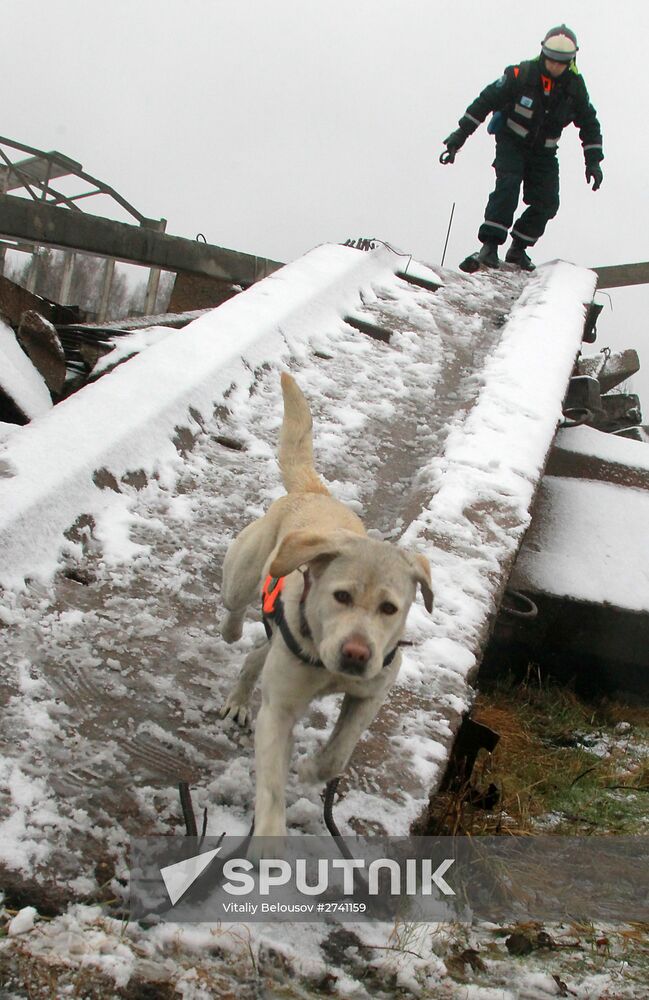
<point>537,169</point>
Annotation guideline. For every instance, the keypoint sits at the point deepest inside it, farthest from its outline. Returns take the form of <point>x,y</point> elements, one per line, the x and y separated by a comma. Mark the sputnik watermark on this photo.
<point>180,876</point>
<point>241,877</point>
<point>297,877</point>
<point>239,910</point>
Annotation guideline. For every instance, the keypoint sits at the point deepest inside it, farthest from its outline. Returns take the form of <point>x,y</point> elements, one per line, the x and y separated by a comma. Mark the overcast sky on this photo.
<point>276,125</point>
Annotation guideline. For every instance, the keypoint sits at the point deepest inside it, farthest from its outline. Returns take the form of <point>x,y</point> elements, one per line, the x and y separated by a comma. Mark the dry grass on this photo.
<point>562,765</point>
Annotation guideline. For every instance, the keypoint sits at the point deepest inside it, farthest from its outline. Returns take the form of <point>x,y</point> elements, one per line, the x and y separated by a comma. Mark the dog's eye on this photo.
<point>342,596</point>
<point>388,608</point>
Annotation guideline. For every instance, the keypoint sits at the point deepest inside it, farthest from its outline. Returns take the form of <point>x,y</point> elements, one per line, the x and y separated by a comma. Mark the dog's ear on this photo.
<point>305,546</point>
<point>421,568</point>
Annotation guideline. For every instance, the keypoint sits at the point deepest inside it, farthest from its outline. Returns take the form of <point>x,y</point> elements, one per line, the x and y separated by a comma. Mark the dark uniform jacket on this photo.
<point>536,108</point>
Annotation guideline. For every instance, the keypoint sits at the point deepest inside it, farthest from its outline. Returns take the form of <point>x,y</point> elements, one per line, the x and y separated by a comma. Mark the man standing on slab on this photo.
<point>532,103</point>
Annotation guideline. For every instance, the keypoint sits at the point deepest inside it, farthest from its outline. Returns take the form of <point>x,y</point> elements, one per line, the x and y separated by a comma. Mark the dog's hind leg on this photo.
<point>242,569</point>
<point>236,705</point>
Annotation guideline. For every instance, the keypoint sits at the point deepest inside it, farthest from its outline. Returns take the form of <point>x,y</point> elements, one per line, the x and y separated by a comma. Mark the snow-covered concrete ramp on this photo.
<point>434,412</point>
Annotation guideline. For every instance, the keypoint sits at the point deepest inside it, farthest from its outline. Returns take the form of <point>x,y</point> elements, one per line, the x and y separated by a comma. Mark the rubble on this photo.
<point>610,369</point>
<point>40,341</point>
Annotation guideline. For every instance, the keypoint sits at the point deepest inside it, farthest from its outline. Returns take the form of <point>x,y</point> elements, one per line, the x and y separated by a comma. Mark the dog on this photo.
<point>335,607</point>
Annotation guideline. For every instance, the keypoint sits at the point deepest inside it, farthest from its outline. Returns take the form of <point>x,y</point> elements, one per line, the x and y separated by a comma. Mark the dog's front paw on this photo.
<point>237,711</point>
<point>318,771</point>
<point>267,845</point>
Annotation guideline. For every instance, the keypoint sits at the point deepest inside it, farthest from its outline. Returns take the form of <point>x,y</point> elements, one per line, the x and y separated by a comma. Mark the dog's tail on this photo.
<point>296,442</point>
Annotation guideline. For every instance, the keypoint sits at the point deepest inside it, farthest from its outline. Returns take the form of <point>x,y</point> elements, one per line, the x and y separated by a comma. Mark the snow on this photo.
<point>491,464</point>
<point>128,423</point>
<point>19,378</point>
<point>23,921</point>
<point>588,542</point>
<point>608,447</point>
<point>126,346</point>
<point>113,688</point>
<point>192,958</point>
<point>416,270</point>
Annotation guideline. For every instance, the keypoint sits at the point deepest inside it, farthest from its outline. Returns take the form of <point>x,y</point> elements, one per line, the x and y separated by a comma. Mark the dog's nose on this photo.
<point>354,655</point>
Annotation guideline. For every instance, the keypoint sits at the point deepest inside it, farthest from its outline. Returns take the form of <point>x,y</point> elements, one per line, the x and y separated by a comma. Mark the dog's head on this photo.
<point>359,598</point>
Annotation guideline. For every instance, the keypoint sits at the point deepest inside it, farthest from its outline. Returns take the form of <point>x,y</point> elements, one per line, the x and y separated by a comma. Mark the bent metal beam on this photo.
<point>619,275</point>
<point>44,224</point>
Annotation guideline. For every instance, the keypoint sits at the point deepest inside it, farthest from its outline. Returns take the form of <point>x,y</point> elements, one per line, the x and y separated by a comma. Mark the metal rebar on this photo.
<point>187,808</point>
<point>448,233</point>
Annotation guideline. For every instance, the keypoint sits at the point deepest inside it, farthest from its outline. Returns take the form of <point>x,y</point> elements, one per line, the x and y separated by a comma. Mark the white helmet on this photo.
<point>560,44</point>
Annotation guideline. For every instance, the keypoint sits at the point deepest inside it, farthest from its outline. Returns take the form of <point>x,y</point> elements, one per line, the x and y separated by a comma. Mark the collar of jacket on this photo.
<point>538,72</point>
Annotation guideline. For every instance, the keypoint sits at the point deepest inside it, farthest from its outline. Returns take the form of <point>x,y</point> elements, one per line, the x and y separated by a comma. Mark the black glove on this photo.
<point>594,174</point>
<point>454,142</point>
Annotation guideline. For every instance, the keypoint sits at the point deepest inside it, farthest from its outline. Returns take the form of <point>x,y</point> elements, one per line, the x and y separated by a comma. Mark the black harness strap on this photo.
<point>277,615</point>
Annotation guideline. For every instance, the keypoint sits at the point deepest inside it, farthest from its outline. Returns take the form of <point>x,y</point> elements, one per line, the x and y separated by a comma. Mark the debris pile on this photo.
<point>48,352</point>
<point>591,399</point>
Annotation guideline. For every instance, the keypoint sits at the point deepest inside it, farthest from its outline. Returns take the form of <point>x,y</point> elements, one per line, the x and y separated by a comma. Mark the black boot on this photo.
<point>517,255</point>
<point>488,255</point>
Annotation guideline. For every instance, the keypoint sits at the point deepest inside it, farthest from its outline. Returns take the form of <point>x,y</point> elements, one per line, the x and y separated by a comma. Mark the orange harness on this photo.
<point>272,588</point>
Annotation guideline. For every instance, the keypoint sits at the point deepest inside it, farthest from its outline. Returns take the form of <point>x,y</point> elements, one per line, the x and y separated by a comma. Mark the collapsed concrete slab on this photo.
<point>23,392</point>
<point>591,509</point>
<point>609,368</point>
<point>39,339</point>
<point>437,432</point>
<point>15,300</point>
<point>584,561</point>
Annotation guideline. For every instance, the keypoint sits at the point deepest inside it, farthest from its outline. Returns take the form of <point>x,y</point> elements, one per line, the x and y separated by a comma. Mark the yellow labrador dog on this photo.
<point>335,604</point>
